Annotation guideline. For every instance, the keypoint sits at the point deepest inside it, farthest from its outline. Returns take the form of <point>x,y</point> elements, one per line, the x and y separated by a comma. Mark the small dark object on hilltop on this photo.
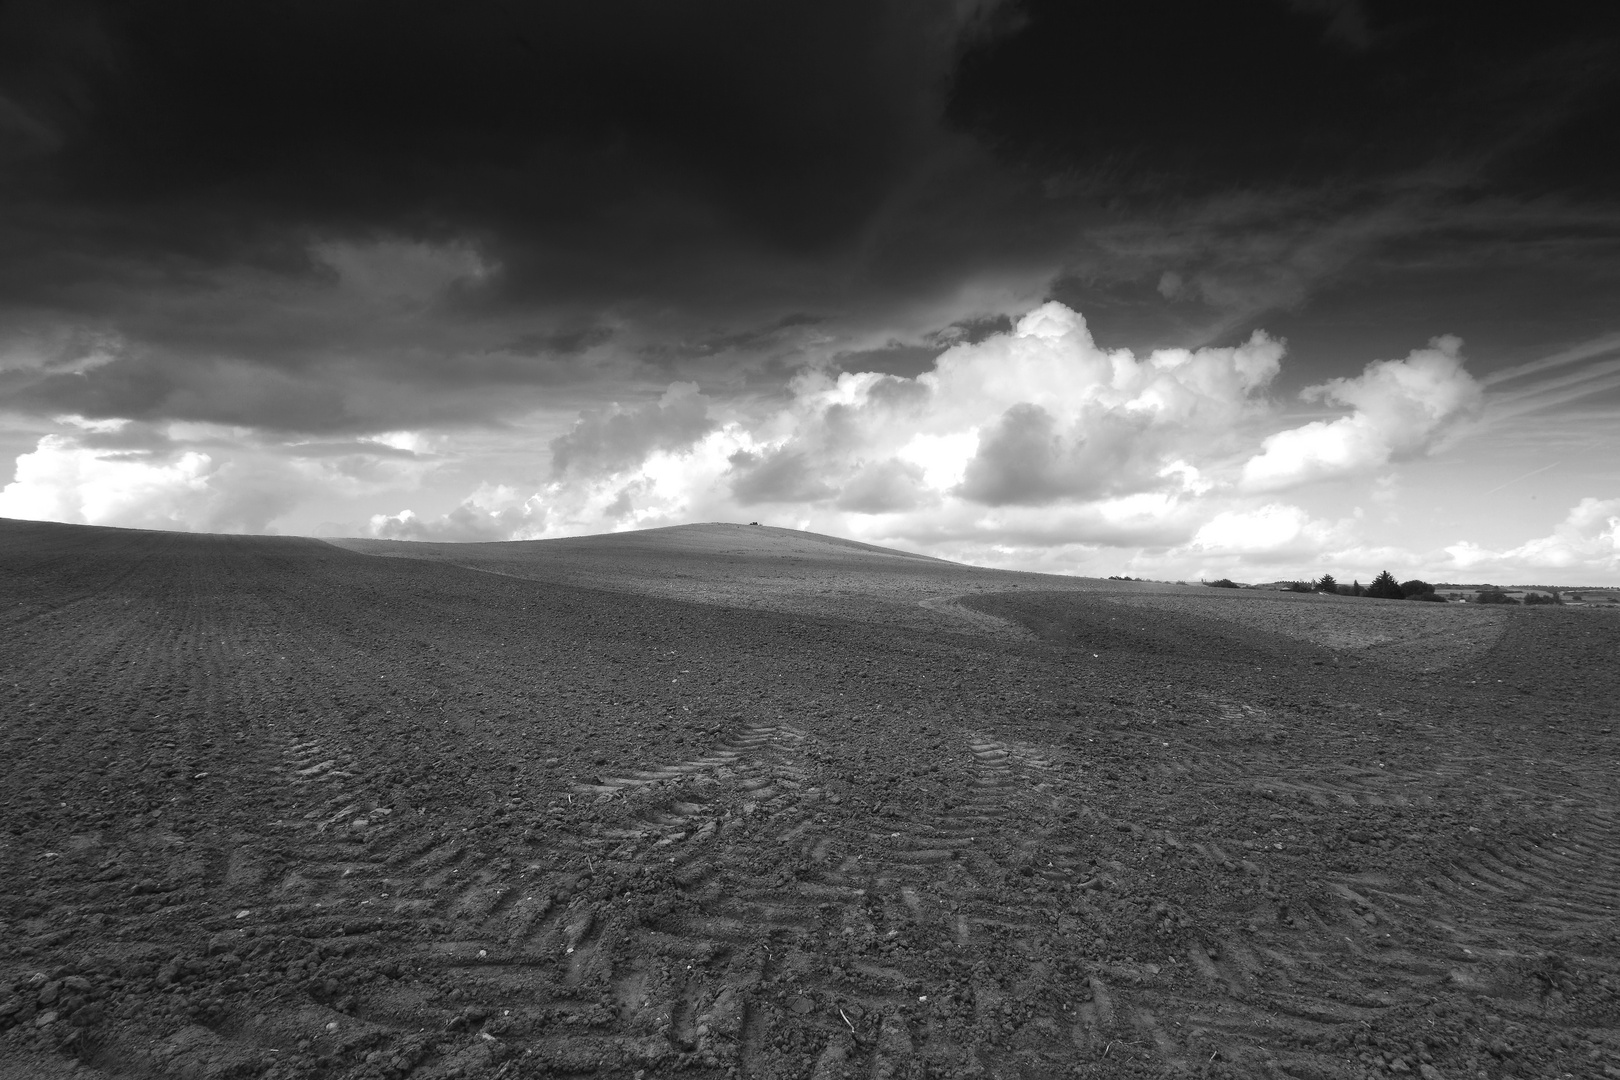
<point>1494,596</point>
<point>1223,583</point>
<point>1119,577</point>
<point>1385,587</point>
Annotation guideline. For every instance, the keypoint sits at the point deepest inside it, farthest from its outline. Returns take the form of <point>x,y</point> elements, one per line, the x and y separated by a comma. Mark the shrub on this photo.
<point>1414,588</point>
<point>1223,583</point>
<point>1300,586</point>
<point>1385,587</point>
<point>1542,598</point>
<point>1428,596</point>
<point>1493,596</point>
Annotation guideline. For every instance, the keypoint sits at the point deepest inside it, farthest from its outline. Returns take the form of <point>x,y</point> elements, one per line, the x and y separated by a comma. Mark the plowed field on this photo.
<point>731,802</point>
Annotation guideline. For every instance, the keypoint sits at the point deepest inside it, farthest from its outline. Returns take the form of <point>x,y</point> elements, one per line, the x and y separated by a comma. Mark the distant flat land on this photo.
<point>733,801</point>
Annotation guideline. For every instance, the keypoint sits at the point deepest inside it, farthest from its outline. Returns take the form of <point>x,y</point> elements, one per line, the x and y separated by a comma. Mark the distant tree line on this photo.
<point>1385,587</point>
<point>1497,596</point>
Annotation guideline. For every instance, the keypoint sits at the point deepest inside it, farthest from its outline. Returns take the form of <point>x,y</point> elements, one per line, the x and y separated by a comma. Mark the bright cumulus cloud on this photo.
<point>193,477</point>
<point>1271,531</point>
<point>1588,539</point>
<point>1401,409</point>
<point>1037,416</point>
<point>62,481</point>
<point>1005,436</point>
<point>493,512</point>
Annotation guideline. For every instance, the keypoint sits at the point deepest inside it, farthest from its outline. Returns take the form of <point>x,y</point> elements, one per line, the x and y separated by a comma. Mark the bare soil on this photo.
<point>732,802</point>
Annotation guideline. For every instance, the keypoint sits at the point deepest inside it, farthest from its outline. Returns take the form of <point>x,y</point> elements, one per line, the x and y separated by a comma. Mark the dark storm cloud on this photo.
<point>1196,96</point>
<point>358,216</point>
<point>689,165</point>
<point>536,125</point>
<point>560,342</point>
<point>909,359</point>
<point>748,338</point>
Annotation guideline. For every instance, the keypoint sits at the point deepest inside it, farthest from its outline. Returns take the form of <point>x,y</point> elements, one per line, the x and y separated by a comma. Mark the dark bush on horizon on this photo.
<point>1301,586</point>
<point>1428,596</point>
<point>1494,596</point>
<point>1385,587</point>
<point>1223,583</point>
<point>1415,588</point>
<point>1542,598</point>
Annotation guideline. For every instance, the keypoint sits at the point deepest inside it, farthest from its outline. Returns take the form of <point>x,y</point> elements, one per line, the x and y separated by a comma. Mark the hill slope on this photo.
<point>273,808</point>
<point>749,566</point>
<point>708,540</point>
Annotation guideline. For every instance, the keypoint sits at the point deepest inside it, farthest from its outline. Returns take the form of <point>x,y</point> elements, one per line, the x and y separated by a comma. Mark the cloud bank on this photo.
<point>1033,447</point>
<point>198,477</point>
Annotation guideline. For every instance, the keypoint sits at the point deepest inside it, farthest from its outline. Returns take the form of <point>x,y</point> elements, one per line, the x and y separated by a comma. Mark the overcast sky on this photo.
<point>1247,288</point>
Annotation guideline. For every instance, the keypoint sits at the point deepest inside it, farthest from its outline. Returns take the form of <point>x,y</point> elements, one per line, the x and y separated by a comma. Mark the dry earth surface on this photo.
<point>727,801</point>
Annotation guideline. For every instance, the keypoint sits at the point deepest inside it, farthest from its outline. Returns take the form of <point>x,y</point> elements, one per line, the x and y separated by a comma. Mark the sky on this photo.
<point>1260,289</point>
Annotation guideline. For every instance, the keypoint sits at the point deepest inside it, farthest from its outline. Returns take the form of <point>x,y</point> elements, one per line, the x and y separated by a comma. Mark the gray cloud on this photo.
<point>473,521</point>
<point>883,487</point>
<point>781,476</point>
<point>557,342</point>
<point>604,441</point>
<point>1024,459</point>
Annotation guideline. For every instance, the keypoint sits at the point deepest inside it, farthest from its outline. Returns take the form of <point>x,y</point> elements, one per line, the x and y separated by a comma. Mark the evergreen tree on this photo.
<point>1356,589</point>
<point>1327,584</point>
<point>1385,587</point>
